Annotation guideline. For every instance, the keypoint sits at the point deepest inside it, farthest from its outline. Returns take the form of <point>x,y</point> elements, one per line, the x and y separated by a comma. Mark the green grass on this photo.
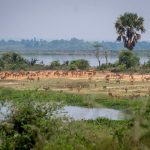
<point>121,103</point>
<point>98,134</point>
<point>88,100</point>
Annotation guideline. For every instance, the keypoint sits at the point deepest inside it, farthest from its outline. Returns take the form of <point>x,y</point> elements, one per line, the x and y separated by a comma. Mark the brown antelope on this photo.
<point>126,89</point>
<point>131,81</point>
<point>104,87</point>
<point>79,88</point>
<point>147,78</point>
<point>30,78</point>
<point>110,93</point>
<point>117,80</point>
<point>107,80</point>
<point>46,88</point>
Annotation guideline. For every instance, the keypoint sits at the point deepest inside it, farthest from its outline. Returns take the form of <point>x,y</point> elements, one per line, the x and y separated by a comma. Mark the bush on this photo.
<point>1,64</point>
<point>72,67</point>
<point>128,59</point>
<point>13,61</point>
<point>55,64</point>
<point>79,64</point>
<point>147,64</point>
<point>11,57</point>
<point>27,126</point>
<point>119,68</point>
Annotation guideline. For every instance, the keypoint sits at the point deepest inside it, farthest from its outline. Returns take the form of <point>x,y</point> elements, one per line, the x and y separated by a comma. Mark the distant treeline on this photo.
<point>73,44</point>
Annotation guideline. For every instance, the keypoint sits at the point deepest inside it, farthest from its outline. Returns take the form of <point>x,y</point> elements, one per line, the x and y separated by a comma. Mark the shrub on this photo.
<point>72,67</point>
<point>13,61</point>
<point>11,57</point>
<point>55,64</point>
<point>27,126</point>
<point>128,59</point>
<point>79,64</point>
<point>119,68</point>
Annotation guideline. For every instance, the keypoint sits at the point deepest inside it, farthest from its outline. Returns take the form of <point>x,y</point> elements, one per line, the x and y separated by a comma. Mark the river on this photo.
<point>47,59</point>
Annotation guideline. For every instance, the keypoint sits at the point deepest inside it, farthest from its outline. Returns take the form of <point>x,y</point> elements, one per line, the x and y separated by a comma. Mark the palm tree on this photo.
<point>128,27</point>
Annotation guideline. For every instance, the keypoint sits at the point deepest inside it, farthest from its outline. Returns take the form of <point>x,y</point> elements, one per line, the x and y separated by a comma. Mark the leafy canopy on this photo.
<point>128,59</point>
<point>128,27</point>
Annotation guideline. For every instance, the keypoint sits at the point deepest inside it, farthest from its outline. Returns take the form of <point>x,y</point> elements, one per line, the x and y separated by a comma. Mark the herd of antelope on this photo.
<point>107,77</point>
<point>33,75</point>
<point>130,77</point>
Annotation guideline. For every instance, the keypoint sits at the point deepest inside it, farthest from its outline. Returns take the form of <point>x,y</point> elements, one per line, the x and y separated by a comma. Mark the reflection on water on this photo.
<point>81,113</point>
<point>4,110</point>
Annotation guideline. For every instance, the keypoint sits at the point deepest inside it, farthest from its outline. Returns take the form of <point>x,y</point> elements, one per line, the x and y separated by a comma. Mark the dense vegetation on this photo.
<point>70,65</point>
<point>127,61</point>
<point>14,61</point>
<point>31,126</point>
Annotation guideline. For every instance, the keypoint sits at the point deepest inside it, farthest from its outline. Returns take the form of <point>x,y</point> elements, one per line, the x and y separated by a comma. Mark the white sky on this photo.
<point>63,19</point>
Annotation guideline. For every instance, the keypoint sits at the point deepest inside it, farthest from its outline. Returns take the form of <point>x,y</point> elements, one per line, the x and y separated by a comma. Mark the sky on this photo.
<point>91,20</point>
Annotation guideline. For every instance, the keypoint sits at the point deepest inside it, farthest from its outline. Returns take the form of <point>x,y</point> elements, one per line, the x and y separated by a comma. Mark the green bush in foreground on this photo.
<point>29,126</point>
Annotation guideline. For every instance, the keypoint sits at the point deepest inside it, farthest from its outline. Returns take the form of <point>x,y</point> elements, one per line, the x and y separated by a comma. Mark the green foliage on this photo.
<point>13,61</point>
<point>147,64</point>
<point>119,68</point>
<point>72,66</point>
<point>27,126</point>
<point>128,27</point>
<point>69,98</point>
<point>123,103</point>
<point>33,61</point>
<point>79,64</point>
<point>128,59</point>
<point>136,136</point>
<point>1,65</point>
<point>11,57</point>
<point>55,64</point>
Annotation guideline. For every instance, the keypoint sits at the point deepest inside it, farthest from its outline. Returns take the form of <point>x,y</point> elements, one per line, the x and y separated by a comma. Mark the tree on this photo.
<point>128,27</point>
<point>106,56</point>
<point>97,46</point>
<point>11,57</point>
<point>128,59</point>
<point>33,61</point>
<point>1,65</point>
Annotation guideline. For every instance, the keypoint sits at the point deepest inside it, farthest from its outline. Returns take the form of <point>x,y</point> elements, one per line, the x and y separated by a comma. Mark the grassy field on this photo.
<point>101,134</point>
<point>97,85</point>
<point>78,91</point>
